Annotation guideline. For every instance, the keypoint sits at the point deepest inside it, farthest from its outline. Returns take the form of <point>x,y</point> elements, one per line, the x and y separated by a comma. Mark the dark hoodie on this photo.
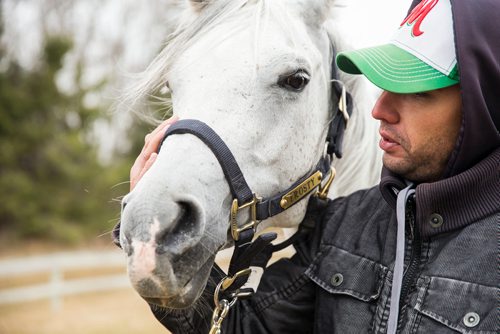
<point>469,187</point>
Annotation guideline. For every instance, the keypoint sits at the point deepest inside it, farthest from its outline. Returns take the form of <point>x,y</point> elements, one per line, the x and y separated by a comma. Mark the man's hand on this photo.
<point>148,154</point>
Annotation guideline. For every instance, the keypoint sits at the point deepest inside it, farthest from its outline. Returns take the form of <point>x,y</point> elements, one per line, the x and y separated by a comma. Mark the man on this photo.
<point>418,254</point>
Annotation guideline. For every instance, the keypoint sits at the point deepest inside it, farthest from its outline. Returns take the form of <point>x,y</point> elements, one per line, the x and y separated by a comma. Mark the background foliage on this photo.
<point>52,184</point>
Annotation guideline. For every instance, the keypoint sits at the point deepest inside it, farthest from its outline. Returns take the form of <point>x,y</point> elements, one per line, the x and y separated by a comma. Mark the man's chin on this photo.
<point>398,166</point>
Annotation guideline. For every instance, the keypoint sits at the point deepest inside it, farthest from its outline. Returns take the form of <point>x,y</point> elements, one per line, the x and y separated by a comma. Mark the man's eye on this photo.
<point>295,82</point>
<point>422,95</point>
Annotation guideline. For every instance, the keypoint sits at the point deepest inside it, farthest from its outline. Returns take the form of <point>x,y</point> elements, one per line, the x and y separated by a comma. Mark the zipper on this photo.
<point>411,271</point>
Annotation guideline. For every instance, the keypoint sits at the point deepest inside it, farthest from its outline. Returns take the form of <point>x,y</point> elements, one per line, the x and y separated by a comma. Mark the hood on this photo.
<point>477,40</point>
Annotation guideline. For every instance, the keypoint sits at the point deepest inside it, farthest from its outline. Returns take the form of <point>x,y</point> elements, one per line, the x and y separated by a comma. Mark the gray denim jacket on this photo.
<point>340,279</point>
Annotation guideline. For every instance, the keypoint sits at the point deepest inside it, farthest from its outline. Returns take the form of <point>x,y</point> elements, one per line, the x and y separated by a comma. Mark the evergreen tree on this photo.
<point>51,183</point>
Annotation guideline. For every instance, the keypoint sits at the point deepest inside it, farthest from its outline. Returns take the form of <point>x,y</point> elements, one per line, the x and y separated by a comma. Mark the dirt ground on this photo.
<point>121,311</point>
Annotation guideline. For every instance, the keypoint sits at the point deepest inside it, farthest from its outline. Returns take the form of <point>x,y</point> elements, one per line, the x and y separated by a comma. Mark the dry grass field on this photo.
<point>119,311</point>
<point>112,312</point>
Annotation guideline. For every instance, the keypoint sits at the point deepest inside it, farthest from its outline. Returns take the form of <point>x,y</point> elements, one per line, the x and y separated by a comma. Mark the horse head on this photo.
<point>258,74</point>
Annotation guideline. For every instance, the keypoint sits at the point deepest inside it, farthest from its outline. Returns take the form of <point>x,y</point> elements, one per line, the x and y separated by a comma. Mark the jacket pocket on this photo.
<point>340,272</point>
<point>347,298</point>
<point>456,305</point>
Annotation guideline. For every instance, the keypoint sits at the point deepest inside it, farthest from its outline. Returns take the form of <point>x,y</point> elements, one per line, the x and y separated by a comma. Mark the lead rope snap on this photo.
<point>220,312</point>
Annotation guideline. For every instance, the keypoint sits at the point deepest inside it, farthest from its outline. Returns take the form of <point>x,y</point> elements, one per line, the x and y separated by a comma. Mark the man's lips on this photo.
<point>387,142</point>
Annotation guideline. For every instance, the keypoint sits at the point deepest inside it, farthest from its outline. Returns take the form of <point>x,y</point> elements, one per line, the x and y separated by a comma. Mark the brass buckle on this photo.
<point>235,208</point>
<point>323,190</point>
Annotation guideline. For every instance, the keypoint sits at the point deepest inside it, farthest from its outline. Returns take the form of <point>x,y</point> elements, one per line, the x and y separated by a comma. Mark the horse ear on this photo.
<point>315,12</point>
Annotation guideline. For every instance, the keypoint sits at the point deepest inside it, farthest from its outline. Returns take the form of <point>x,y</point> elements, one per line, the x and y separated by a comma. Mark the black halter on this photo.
<point>263,208</point>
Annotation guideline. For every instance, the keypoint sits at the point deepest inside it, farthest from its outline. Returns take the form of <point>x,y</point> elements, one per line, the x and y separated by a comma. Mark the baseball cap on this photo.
<point>420,56</point>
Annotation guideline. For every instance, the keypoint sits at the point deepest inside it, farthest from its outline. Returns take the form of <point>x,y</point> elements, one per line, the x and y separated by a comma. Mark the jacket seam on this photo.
<point>457,280</point>
<point>350,252</point>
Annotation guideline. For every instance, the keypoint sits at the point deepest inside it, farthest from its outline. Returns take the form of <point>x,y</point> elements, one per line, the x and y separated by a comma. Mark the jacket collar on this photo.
<point>451,203</point>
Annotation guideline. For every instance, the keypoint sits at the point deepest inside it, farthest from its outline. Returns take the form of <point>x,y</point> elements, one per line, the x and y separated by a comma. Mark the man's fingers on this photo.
<point>153,139</point>
<point>148,154</point>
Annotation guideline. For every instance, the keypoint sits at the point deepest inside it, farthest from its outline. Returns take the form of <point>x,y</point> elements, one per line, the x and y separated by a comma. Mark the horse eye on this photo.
<point>294,82</point>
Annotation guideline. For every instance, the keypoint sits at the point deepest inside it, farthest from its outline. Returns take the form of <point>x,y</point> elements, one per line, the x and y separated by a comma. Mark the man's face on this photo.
<point>419,131</point>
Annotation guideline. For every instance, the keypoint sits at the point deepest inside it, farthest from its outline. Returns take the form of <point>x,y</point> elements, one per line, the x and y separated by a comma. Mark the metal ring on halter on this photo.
<point>323,190</point>
<point>343,101</point>
<point>216,298</point>
<point>226,282</point>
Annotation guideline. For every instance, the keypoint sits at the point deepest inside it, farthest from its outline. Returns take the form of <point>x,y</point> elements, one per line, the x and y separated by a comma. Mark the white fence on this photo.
<point>55,266</point>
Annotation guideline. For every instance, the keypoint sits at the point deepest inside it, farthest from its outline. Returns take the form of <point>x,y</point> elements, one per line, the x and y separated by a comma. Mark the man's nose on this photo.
<point>385,108</point>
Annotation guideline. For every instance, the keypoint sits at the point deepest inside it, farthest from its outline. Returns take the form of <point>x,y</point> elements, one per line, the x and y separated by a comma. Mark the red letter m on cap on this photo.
<point>418,14</point>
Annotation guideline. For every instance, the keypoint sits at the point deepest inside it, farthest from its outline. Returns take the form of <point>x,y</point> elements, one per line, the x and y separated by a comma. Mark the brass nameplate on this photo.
<point>300,191</point>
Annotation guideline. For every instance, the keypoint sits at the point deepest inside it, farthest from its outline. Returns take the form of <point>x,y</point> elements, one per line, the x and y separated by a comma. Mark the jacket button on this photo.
<point>337,279</point>
<point>471,319</point>
<point>436,220</point>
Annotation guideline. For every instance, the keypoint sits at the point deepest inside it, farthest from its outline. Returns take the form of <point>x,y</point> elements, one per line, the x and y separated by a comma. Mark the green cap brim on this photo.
<point>393,69</point>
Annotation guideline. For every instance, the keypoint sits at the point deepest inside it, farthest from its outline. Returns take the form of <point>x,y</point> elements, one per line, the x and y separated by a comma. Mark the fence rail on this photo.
<point>58,286</point>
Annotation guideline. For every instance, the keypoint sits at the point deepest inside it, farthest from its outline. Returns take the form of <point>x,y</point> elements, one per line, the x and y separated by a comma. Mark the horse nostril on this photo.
<point>183,233</point>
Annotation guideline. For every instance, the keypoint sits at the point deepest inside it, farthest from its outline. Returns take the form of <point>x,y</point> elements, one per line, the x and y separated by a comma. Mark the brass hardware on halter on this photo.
<point>300,191</point>
<point>343,105</point>
<point>228,281</point>
<point>218,316</point>
<point>323,190</point>
<point>222,306</point>
<point>235,207</point>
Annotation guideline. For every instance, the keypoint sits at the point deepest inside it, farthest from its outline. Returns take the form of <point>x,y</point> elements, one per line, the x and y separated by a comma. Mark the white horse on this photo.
<point>258,73</point>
